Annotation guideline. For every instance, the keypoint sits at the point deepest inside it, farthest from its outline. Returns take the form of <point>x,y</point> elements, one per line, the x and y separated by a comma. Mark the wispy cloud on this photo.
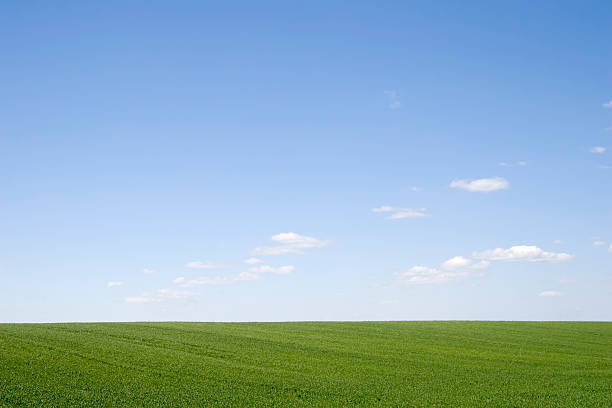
<point>598,243</point>
<point>607,104</point>
<point>148,271</point>
<point>281,270</point>
<point>114,284</point>
<point>459,268</point>
<point>483,185</point>
<point>217,280</point>
<point>461,262</point>
<point>254,273</point>
<point>289,243</point>
<point>597,149</point>
<point>394,100</point>
<point>422,275</point>
<point>160,295</point>
<point>252,261</point>
<point>518,163</point>
<point>399,213</point>
<point>557,241</point>
<point>205,265</point>
<point>452,270</point>
<point>527,253</point>
<point>550,293</point>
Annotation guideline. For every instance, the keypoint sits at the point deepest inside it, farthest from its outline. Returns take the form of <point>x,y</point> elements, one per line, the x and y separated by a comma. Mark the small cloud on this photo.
<point>281,270</point>
<point>456,262</point>
<point>557,241</point>
<point>180,279</point>
<point>400,213</point>
<point>528,253</point>
<point>483,185</point>
<point>205,265</point>
<point>597,149</point>
<point>607,104</point>
<point>160,295</point>
<point>597,243</point>
<point>290,243</point>
<point>252,261</point>
<point>114,284</point>
<point>454,269</point>
<point>459,268</point>
<point>416,189</point>
<point>423,275</point>
<point>218,280</point>
<point>148,271</point>
<point>550,293</point>
<point>394,101</point>
<point>518,163</point>
<point>610,249</point>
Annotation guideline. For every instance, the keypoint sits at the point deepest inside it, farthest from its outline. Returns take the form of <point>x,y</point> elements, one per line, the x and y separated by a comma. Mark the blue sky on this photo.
<point>305,161</point>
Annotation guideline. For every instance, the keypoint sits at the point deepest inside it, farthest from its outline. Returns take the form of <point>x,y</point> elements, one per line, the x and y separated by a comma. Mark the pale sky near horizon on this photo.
<point>264,161</point>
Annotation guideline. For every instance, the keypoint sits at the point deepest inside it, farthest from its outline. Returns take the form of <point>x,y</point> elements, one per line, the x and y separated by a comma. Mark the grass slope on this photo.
<point>391,364</point>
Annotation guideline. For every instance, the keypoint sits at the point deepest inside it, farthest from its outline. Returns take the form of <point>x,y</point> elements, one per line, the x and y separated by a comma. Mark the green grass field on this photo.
<point>391,364</point>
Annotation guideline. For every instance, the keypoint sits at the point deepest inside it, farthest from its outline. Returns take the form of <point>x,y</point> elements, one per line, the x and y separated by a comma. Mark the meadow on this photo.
<point>307,364</point>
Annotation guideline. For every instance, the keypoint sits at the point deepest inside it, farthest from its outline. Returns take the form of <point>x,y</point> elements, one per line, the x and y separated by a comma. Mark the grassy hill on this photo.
<point>366,364</point>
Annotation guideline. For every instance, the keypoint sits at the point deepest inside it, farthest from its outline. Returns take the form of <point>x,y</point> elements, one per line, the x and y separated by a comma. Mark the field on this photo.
<point>366,364</point>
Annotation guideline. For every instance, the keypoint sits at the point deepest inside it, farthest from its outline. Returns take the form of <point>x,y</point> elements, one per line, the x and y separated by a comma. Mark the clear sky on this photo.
<point>189,160</point>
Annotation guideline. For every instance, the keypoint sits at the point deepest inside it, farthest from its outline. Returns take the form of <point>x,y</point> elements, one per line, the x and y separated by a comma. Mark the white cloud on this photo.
<point>290,243</point>
<point>483,185</point>
<point>252,261</point>
<point>160,295</point>
<point>218,280</point>
<point>394,101</point>
<point>400,213</point>
<point>462,267</point>
<point>148,271</point>
<point>480,265</point>
<point>518,163</point>
<point>557,241</point>
<point>598,243</point>
<point>529,253</point>
<point>205,265</point>
<point>456,262</point>
<point>281,270</point>
<point>114,284</point>
<point>607,104</point>
<point>597,149</point>
<point>416,189</point>
<point>422,275</point>
<point>452,270</point>
<point>547,293</point>
<point>180,279</point>
<point>610,249</point>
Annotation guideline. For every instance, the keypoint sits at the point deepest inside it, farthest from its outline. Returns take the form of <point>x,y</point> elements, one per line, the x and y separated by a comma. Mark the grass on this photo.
<point>388,364</point>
